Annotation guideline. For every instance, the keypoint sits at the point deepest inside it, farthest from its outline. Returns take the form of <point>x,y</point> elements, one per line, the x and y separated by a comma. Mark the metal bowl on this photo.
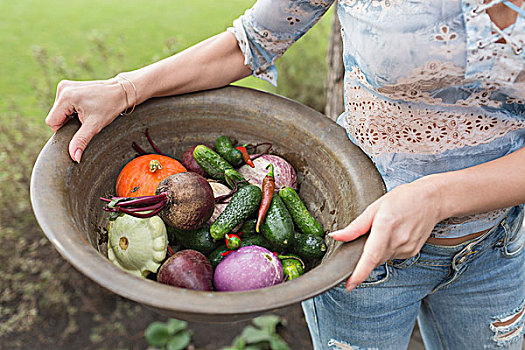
<point>337,181</point>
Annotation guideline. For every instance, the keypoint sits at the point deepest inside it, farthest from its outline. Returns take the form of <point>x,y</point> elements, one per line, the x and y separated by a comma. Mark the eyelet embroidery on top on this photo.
<point>486,59</point>
<point>380,126</point>
<point>446,40</point>
<point>294,14</point>
<point>362,5</point>
<point>443,228</point>
<point>321,3</point>
<point>385,4</point>
<point>263,40</point>
<point>420,84</point>
<point>511,100</point>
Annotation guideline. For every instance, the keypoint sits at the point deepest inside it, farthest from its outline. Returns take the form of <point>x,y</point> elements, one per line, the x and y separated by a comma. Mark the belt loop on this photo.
<point>469,248</point>
<point>507,230</point>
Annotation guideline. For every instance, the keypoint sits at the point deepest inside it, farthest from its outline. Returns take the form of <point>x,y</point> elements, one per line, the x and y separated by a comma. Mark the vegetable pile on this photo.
<point>225,218</point>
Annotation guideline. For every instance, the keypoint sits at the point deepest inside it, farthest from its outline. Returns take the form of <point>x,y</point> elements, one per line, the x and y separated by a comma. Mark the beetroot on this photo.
<point>187,269</point>
<point>184,201</point>
<point>190,200</point>
<point>190,163</point>
<point>284,173</point>
<point>247,268</point>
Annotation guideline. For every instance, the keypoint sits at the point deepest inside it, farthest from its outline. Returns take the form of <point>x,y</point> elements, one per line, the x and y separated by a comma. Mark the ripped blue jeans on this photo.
<point>469,296</point>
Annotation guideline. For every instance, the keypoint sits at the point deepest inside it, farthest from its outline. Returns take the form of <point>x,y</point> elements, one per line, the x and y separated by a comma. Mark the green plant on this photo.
<point>262,335</point>
<point>172,335</point>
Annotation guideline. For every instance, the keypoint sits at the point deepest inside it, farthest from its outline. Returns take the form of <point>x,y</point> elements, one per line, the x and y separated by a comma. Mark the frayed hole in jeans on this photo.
<point>341,345</point>
<point>509,327</point>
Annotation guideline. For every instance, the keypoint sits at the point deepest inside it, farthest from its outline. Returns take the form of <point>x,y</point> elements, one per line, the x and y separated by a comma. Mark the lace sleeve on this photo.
<point>270,27</point>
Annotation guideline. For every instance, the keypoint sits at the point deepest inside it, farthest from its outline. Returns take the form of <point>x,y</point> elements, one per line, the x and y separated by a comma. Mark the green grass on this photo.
<point>137,29</point>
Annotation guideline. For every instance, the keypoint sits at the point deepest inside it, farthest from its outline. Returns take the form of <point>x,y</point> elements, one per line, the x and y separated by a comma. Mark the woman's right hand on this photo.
<point>213,63</point>
<point>97,103</point>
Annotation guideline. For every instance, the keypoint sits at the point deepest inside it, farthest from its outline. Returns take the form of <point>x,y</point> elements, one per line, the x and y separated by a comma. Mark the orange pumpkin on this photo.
<point>141,176</point>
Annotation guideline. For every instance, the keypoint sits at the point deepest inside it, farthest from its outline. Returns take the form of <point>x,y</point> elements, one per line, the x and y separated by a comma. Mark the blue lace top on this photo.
<point>430,85</point>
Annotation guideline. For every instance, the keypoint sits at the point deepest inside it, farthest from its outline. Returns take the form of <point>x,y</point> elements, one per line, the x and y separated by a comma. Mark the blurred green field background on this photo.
<point>94,39</point>
<point>44,302</point>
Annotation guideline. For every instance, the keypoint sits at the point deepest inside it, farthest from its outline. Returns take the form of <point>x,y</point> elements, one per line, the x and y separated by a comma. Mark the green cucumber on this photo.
<point>243,204</point>
<point>256,240</point>
<point>233,177</point>
<point>216,166</point>
<point>248,228</point>
<point>224,147</point>
<point>277,227</point>
<point>309,246</point>
<point>199,240</point>
<point>211,162</point>
<point>300,215</point>
<point>215,257</point>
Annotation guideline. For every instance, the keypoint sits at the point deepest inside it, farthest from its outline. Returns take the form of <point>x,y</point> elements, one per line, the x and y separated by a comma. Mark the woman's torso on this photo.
<point>428,87</point>
<point>427,92</point>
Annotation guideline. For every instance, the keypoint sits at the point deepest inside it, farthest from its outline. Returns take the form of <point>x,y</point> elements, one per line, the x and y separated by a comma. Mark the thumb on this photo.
<point>360,226</point>
<point>59,114</point>
<point>80,141</point>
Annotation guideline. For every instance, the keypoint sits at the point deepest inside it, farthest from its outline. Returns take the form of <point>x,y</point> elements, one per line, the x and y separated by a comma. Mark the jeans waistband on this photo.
<point>506,226</point>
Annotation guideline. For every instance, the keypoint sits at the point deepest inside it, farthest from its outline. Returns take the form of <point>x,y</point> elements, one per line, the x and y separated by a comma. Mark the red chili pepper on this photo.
<point>246,156</point>
<point>171,251</point>
<point>226,252</point>
<point>232,241</point>
<point>268,185</point>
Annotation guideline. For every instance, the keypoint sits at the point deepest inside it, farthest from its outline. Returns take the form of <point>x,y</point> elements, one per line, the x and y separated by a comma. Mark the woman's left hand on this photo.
<point>399,224</point>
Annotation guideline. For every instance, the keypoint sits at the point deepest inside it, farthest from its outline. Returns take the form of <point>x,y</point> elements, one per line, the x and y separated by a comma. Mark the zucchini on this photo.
<point>199,240</point>
<point>224,147</point>
<point>300,215</point>
<point>243,204</point>
<point>277,227</point>
<point>309,246</point>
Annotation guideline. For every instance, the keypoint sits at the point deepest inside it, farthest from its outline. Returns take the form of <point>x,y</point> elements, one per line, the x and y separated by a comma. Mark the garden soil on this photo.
<point>46,304</point>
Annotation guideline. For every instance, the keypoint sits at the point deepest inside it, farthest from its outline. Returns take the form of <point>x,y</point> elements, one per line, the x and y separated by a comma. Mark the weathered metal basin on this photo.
<point>337,181</point>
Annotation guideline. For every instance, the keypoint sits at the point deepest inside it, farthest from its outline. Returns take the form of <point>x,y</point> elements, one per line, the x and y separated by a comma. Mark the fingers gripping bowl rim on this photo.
<point>337,182</point>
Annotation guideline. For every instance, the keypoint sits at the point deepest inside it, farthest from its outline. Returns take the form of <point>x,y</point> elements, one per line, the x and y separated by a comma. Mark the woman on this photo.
<point>434,94</point>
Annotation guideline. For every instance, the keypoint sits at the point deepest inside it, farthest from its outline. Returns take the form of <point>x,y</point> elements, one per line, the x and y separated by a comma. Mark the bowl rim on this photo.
<point>63,233</point>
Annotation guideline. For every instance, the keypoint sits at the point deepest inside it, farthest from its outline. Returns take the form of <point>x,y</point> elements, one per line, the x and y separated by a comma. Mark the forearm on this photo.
<point>212,63</point>
<point>496,184</point>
